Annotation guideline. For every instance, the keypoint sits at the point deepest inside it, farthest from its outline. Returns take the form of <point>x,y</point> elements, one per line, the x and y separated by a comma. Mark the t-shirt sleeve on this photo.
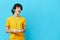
<point>7,23</point>
<point>24,22</point>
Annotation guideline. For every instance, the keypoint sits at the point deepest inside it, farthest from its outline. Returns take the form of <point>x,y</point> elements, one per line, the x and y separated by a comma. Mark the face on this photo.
<point>18,10</point>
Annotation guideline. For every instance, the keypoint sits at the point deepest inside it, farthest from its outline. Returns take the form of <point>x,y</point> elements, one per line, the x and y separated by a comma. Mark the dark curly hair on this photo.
<point>16,5</point>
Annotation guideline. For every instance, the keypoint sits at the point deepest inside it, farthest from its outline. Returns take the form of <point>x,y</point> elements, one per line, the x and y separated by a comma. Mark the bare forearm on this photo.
<point>8,30</point>
<point>22,30</point>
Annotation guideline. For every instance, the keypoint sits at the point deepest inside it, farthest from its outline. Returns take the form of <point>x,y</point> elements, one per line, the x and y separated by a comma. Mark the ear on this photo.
<point>13,9</point>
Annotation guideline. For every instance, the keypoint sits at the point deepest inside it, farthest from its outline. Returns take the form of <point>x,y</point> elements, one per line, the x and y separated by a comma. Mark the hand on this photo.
<point>20,30</point>
<point>8,31</point>
<point>14,31</point>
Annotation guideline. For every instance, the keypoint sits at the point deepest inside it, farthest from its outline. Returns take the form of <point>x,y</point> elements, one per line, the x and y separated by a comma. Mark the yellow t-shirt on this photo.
<point>16,23</point>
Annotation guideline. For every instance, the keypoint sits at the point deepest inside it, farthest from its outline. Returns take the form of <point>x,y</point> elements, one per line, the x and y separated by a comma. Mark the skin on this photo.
<point>16,14</point>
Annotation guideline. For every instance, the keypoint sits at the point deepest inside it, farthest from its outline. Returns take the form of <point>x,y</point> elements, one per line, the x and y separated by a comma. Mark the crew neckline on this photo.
<point>16,17</point>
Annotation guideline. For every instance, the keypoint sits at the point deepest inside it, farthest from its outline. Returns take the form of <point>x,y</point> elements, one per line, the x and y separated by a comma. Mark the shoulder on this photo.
<point>8,18</point>
<point>23,17</point>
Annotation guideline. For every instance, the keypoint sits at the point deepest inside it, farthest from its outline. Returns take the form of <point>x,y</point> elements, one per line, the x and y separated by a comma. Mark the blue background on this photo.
<point>42,16</point>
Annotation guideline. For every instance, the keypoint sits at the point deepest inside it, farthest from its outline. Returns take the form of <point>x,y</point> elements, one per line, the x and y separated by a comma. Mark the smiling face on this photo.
<point>18,10</point>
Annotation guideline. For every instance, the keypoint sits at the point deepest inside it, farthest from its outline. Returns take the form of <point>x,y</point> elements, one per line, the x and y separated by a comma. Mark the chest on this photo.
<point>16,22</point>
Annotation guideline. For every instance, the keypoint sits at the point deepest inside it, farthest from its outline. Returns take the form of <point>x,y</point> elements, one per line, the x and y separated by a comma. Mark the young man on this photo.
<point>15,25</point>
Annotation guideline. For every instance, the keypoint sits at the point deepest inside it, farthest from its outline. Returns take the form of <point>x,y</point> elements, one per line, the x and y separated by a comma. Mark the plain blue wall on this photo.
<point>42,16</point>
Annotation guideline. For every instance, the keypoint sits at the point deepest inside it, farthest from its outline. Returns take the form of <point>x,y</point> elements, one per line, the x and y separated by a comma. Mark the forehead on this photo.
<point>18,7</point>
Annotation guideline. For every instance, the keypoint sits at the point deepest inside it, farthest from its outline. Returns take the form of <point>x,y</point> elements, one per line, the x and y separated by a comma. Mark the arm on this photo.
<point>22,30</point>
<point>7,26</point>
<point>10,31</point>
<point>23,27</point>
<point>7,30</point>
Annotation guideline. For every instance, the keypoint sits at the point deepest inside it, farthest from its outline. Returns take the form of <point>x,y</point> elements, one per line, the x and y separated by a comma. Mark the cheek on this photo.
<point>16,10</point>
<point>19,10</point>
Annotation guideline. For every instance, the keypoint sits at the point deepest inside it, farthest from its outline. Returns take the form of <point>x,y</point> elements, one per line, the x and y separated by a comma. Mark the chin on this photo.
<point>18,13</point>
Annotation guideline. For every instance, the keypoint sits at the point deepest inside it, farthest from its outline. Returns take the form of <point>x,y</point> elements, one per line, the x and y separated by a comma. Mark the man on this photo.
<point>15,25</point>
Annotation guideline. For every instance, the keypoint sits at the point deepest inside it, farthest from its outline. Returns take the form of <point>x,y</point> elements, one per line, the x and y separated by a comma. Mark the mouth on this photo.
<point>18,11</point>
